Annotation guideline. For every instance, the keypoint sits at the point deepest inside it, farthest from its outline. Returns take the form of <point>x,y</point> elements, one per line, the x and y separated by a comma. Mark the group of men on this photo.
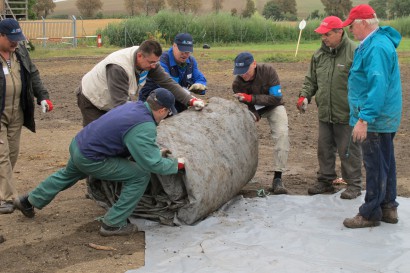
<point>357,92</point>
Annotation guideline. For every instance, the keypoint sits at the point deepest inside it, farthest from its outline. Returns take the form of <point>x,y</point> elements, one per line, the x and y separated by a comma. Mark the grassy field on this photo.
<point>113,7</point>
<point>262,52</point>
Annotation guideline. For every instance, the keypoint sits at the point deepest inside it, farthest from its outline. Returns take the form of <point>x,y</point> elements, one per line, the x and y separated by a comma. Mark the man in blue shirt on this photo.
<point>182,67</point>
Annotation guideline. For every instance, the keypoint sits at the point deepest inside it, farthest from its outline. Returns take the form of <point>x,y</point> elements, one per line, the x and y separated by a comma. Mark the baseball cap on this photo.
<point>11,28</point>
<point>164,98</point>
<point>242,63</point>
<point>329,23</point>
<point>184,42</point>
<point>360,12</point>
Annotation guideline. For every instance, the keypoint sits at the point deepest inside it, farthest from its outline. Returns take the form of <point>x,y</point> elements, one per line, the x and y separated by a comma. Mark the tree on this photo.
<point>217,5</point>
<point>340,8</point>
<point>315,15</point>
<point>157,5</point>
<point>287,6</point>
<point>88,8</point>
<point>272,10</point>
<point>400,8</point>
<point>183,6</point>
<point>249,9</point>
<point>131,6</point>
<point>43,8</point>
<point>234,12</point>
<point>380,7</point>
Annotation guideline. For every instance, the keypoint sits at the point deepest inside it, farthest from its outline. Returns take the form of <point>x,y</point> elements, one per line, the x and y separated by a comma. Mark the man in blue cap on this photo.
<point>20,83</point>
<point>258,86</point>
<point>182,67</point>
<point>101,149</point>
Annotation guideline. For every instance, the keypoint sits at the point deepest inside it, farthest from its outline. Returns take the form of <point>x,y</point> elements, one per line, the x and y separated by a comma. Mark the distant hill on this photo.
<point>113,7</point>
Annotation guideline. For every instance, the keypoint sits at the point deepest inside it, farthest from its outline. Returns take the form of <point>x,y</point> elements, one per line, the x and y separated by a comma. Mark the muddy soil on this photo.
<point>58,238</point>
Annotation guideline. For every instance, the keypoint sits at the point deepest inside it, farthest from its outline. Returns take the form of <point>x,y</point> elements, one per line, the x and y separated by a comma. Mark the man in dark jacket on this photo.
<point>19,83</point>
<point>258,86</point>
<point>182,67</point>
<point>326,80</point>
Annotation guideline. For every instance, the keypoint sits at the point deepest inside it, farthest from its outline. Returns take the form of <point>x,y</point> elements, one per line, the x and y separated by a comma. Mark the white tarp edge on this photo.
<point>280,234</point>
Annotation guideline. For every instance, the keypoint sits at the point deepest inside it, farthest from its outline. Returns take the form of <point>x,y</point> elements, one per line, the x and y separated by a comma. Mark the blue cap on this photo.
<point>184,42</point>
<point>164,98</point>
<point>242,63</point>
<point>11,28</point>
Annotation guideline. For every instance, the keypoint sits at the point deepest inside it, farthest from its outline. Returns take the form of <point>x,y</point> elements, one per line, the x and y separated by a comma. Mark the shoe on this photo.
<point>24,206</point>
<point>6,207</point>
<point>128,229</point>
<point>359,222</point>
<point>390,215</point>
<point>350,193</point>
<point>321,187</point>
<point>278,187</point>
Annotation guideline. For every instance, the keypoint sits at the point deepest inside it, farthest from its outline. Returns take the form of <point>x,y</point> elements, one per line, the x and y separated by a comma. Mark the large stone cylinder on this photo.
<point>220,147</point>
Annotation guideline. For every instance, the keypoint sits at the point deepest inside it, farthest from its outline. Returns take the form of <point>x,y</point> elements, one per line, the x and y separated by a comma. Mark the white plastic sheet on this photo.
<point>280,234</point>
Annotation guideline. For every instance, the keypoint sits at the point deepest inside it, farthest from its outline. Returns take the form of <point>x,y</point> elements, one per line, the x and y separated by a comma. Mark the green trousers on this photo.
<point>117,169</point>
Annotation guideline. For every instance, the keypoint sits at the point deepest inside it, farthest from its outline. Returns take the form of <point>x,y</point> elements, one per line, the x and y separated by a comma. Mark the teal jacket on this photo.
<point>326,80</point>
<point>375,93</point>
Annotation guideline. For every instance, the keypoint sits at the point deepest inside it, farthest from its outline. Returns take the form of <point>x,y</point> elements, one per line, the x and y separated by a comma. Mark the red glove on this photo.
<point>181,164</point>
<point>302,104</point>
<point>198,104</point>
<point>244,97</point>
<point>46,106</point>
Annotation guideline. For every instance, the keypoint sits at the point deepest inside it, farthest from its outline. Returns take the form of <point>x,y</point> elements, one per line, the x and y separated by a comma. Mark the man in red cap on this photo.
<point>326,80</point>
<point>375,100</point>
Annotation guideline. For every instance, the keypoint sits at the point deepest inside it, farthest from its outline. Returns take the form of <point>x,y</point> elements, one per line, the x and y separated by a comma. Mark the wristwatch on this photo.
<point>362,121</point>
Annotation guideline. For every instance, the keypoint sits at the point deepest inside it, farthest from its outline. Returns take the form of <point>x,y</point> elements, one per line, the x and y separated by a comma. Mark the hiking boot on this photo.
<point>6,207</point>
<point>390,215</point>
<point>278,187</point>
<point>359,222</point>
<point>321,187</point>
<point>128,229</point>
<point>24,206</point>
<point>350,193</point>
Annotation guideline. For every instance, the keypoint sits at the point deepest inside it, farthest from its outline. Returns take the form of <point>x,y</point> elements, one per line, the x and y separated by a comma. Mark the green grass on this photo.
<point>263,52</point>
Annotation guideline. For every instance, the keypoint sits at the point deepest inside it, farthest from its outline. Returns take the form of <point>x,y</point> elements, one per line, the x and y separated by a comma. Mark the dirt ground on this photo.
<point>58,238</point>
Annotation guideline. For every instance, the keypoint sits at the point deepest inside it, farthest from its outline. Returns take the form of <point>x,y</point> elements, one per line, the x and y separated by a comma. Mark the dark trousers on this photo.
<point>336,139</point>
<point>88,110</point>
<point>381,182</point>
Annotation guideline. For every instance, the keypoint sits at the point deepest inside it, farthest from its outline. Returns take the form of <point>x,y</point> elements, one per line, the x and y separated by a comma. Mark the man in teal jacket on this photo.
<point>375,99</point>
<point>101,149</point>
<point>327,81</point>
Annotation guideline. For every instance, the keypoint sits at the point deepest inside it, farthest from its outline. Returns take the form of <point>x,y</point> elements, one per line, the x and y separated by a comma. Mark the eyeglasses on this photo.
<point>152,63</point>
<point>355,21</point>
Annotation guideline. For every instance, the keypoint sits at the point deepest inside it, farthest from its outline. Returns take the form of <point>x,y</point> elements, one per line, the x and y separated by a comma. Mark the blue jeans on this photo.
<point>381,182</point>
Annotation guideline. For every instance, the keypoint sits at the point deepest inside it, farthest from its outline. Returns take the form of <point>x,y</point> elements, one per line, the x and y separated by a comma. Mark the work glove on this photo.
<point>198,88</point>
<point>302,104</point>
<point>198,104</point>
<point>243,97</point>
<point>46,106</point>
<point>165,152</point>
<point>181,164</point>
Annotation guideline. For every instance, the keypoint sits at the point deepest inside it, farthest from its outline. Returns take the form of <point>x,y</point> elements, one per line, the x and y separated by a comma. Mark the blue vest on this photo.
<point>104,137</point>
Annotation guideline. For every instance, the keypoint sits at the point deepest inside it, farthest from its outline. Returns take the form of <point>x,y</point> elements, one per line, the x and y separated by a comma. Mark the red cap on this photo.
<point>328,24</point>
<point>360,12</point>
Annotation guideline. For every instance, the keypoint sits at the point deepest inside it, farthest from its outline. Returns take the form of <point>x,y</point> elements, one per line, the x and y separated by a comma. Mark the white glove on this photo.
<point>302,104</point>
<point>198,104</point>
<point>197,86</point>
<point>46,106</point>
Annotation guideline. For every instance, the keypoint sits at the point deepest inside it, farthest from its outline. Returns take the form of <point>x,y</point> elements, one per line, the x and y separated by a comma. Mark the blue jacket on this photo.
<point>184,76</point>
<point>374,84</point>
